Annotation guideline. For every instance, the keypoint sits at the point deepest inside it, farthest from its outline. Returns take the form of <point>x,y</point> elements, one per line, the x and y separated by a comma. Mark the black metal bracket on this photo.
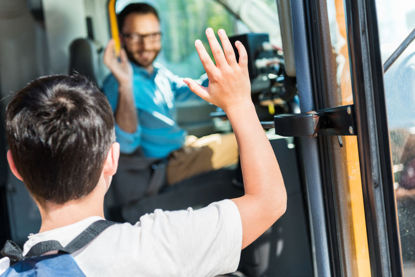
<point>338,121</point>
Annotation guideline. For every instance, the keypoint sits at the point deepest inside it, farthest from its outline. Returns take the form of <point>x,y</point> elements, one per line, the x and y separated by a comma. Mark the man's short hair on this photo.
<point>137,8</point>
<point>59,129</point>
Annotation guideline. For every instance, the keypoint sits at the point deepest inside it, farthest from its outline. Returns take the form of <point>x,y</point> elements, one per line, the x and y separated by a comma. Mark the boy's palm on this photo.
<point>229,83</point>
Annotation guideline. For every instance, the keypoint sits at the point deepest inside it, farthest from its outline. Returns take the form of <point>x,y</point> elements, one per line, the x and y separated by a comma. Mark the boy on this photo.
<point>62,146</point>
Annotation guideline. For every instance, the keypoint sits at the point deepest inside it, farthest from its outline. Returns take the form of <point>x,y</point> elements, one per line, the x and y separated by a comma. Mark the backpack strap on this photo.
<point>77,243</point>
<point>14,252</point>
<point>88,235</point>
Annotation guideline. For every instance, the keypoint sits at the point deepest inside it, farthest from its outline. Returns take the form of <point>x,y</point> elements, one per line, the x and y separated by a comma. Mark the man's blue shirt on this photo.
<point>155,96</point>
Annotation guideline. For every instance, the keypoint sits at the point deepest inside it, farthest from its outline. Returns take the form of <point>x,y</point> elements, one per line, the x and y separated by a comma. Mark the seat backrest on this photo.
<point>85,58</point>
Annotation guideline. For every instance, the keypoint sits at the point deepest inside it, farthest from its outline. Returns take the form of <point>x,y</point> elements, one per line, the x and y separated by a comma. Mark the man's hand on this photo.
<point>125,113</point>
<point>120,68</point>
<point>229,83</point>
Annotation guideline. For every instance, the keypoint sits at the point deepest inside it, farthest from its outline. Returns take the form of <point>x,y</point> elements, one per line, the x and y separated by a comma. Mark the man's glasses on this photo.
<point>140,38</point>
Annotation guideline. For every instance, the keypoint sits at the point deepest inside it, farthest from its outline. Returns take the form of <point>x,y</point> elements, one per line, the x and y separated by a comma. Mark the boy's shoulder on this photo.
<point>48,256</point>
<point>159,241</point>
<point>63,234</point>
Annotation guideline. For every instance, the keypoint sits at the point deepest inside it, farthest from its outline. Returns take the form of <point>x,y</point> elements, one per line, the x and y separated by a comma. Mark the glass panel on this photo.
<point>396,18</point>
<point>394,26</point>
<point>182,22</point>
<point>348,187</point>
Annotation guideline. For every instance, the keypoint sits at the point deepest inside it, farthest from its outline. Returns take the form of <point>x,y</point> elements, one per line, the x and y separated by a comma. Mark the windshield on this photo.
<point>184,21</point>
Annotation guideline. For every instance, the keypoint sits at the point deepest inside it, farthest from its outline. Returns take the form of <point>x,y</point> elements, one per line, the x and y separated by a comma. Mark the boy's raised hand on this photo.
<point>229,84</point>
<point>265,198</point>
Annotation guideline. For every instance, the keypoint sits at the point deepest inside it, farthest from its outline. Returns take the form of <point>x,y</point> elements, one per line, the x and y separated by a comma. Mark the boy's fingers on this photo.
<point>243,55</point>
<point>227,47</point>
<point>215,47</point>
<point>197,89</point>
<point>205,58</point>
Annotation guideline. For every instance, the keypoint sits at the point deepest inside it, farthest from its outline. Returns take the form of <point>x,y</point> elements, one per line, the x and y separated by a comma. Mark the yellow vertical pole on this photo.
<point>361,263</point>
<point>114,26</point>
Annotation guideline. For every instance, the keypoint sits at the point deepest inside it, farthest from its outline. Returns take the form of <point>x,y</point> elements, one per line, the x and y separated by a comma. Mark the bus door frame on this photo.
<point>308,149</point>
<point>311,37</point>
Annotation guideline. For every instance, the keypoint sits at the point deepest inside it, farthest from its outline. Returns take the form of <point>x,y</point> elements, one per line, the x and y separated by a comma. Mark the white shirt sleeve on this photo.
<point>203,242</point>
<point>4,264</point>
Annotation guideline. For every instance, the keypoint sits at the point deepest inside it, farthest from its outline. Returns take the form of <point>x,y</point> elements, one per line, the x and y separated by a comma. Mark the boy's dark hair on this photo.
<point>59,129</point>
<point>138,8</point>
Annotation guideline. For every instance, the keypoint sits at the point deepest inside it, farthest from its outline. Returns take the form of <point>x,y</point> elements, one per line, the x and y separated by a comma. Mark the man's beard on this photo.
<point>131,57</point>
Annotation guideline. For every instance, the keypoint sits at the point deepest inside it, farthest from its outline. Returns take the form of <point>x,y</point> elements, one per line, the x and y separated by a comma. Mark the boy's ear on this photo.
<point>13,166</point>
<point>111,162</point>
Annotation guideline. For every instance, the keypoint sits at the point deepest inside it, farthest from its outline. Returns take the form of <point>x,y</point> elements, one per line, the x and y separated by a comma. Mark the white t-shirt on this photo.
<point>204,242</point>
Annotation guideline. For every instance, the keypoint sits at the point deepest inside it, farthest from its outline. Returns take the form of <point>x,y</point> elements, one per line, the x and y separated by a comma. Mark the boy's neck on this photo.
<point>63,215</point>
<point>60,215</point>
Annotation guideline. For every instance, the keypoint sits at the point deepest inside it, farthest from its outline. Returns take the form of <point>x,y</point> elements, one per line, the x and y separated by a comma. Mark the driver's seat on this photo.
<point>85,58</point>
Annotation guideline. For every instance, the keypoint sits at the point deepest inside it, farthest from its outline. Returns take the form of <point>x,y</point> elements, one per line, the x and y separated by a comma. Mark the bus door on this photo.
<point>355,190</point>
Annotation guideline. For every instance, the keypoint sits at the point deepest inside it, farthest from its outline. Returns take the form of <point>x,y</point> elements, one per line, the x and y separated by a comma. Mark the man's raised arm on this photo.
<point>229,87</point>
<point>125,113</point>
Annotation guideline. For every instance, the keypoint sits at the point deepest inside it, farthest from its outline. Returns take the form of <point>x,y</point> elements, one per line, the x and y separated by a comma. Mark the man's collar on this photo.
<point>140,70</point>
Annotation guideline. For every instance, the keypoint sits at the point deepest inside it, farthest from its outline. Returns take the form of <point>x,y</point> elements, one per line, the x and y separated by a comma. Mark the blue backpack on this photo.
<point>62,264</point>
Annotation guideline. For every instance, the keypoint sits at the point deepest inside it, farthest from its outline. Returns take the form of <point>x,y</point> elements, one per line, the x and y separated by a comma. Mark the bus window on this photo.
<point>396,21</point>
<point>182,22</point>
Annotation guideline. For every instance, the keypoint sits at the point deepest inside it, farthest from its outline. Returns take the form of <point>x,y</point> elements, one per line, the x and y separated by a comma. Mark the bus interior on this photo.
<point>333,82</point>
